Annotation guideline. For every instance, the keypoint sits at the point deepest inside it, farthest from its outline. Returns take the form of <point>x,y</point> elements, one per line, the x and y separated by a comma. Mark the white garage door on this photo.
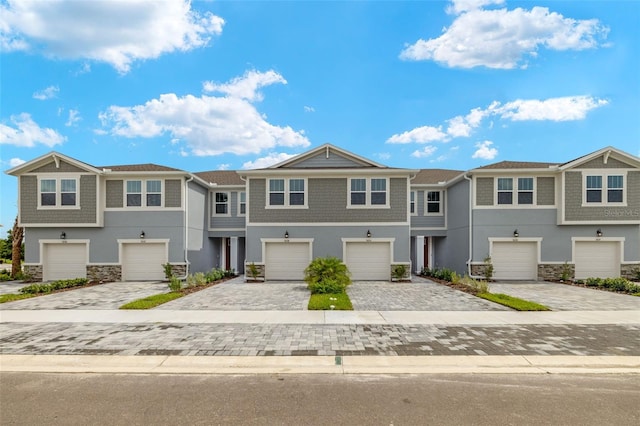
<point>143,261</point>
<point>368,261</point>
<point>515,260</point>
<point>64,261</point>
<point>286,261</point>
<point>599,259</point>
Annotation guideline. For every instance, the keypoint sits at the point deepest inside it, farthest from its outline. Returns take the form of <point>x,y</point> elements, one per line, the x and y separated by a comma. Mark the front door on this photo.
<point>426,252</point>
<point>227,254</point>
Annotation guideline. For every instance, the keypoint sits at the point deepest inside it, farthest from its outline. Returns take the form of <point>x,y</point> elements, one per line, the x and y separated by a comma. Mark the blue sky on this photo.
<point>230,85</point>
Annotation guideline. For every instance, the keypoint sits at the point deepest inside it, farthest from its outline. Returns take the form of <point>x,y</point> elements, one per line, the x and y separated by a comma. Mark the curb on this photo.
<point>512,364</point>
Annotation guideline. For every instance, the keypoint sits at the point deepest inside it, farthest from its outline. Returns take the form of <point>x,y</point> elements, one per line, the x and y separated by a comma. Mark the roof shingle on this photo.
<point>503,165</point>
<point>434,176</point>
<point>149,167</point>
<point>221,177</point>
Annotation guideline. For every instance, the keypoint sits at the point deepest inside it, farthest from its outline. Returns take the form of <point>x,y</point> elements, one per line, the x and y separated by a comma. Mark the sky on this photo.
<point>230,85</point>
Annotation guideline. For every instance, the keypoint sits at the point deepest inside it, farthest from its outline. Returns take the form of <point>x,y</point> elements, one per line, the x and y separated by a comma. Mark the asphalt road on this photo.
<point>86,399</point>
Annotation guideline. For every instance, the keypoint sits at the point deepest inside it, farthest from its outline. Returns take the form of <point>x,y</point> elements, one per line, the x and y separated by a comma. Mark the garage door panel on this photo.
<point>64,261</point>
<point>599,259</point>
<point>515,260</point>
<point>143,261</point>
<point>368,261</point>
<point>286,261</point>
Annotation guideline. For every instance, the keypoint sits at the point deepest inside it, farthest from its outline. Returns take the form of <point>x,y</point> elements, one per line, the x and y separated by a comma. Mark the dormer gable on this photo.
<point>53,162</point>
<point>604,158</point>
<point>327,156</point>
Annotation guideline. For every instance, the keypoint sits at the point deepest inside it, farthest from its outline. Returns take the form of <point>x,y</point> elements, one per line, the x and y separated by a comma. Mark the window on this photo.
<point>242,203</point>
<point>154,193</point>
<point>505,191</point>
<point>296,192</point>
<point>525,190</point>
<point>287,193</point>
<point>134,193</point>
<point>58,192</point>
<point>412,205</point>
<point>370,192</point>
<point>598,193</point>
<point>615,186</point>
<point>358,192</point>
<point>143,193</point>
<point>221,203</point>
<point>48,192</point>
<point>433,202</point>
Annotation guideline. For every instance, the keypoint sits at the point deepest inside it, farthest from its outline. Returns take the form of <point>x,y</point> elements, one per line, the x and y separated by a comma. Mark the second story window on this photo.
<point>604,189</point>
<point>368,192</point>
<point>287,193</point>
<point>378,191</point>
<point>594,189</point>
<point>221,203</point>
<point>58,192</point>
<point>412,205</point>
<point>433,202</point>
<point>242,203</point>
<point>358,192</point>
<point>525,190</point>
<point>505,191</point>
<point>615,188</point>
<point>143,193</point>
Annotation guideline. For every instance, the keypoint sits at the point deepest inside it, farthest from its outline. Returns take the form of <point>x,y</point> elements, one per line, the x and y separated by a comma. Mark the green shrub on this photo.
<point>614,284</point>
<point>253,271</point>
<point>479,286</point>
<point>565,275</point>
<point>175,284</point>
<point>215,274</point>
<point>327,275</point>
<point>55,285</point>
<point>593,282</point>
<point>455,278</point>
<point>426,272</point>
<point>488,268</point>
<point>168,270</point>
<point>399,272</point>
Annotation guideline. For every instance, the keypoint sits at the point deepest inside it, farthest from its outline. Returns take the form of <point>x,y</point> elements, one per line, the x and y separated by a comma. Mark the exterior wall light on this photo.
<point>368,233</point>
<point>142,235</point>
<point>63,235</point>
<point>516,234</point>
<point>599,233</point>
<point>286,235</point>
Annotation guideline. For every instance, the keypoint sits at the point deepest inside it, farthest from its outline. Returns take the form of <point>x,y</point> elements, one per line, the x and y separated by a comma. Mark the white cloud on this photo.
<point>115,32</point>
<point>309,109</point>
<point>422,134</point>
<point>427,151</point>
<point>15,162</point>
<point>48,93</point>
<point>74,117</point>
<point>208,125</point>
<point>264,162</point>
<point>568,108</point>
<point>224,166</point>
<point>383,155</point>
<point>502,38</point>
<point>485,151</point>
<point>27,133</point>
<point>245,87</point>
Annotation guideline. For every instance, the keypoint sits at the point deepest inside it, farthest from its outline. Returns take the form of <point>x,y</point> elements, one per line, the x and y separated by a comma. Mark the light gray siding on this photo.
<point>545,191</point>
<point>200,247</point>
<point>574,211</point>
<point>64,168</point>
<point>115,195</point>
<point>420,220</point>
<point>453,251</point>
<point>321,161</point>
<point>598,163</point>
<point>86,214</point>
<point>484,191</point>
<point>327,201</point>
<point>225,222</point>
<point>173,193</point>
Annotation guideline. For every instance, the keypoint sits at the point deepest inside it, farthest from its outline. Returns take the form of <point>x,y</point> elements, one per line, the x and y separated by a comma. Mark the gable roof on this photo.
<point>221,177</point>
<point>46,159</point>
<point>149,167</point>
<point>327,148</point>
<point>512,165</point>
<point>434,176</point>
<point>607,151</point>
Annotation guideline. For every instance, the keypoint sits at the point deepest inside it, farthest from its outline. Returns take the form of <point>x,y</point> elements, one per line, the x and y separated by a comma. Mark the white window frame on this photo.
<point>604,175</point>
<point>440,211</point>
<point>58,192</point>
<point>143,194</point>
<point>368,192</point>
<point>413,202</point>
<point>214,203</point>
<point>515,191</point>
<point>287,194</point>
<point>147,192</point>
<point>240,203</point>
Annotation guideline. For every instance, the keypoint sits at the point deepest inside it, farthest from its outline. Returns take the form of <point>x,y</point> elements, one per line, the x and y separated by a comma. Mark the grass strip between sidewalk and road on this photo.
<point>4,298</point>
<point>513,302</point>
<point>152,301</point>
<point>323,302</point>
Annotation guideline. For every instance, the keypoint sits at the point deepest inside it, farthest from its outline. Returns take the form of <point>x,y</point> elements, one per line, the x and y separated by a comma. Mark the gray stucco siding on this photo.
<point>30,214</point>
<point>327,240</point>
<point>574,211</point>
<point>327,202</point>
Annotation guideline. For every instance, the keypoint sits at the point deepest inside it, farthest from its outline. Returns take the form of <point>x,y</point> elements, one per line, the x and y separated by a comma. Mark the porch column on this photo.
<point>234,254</point>
<point>419,253</point>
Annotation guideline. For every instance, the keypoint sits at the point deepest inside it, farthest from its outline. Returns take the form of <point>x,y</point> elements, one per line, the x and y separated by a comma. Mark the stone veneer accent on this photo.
<point>34,272</point>
<point>549,272</point>
<point>478,270</point>
<point>104,273</point>
<point>179,270</point>
<point>247,270</point>
<point>629,270</point>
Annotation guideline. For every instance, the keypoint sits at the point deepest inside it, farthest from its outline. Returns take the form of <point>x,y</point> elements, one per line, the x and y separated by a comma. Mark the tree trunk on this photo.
<point>17,234</point>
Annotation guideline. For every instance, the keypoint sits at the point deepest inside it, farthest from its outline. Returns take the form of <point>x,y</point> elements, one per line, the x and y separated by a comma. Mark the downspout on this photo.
<point>186,228</point>
<point>466,176</point>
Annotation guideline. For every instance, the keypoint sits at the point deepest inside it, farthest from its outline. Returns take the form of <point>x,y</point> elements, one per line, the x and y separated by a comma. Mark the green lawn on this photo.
<point>513,302</point>
<point>152,301</point>
<point>12,297</point>
<point>323,302</point>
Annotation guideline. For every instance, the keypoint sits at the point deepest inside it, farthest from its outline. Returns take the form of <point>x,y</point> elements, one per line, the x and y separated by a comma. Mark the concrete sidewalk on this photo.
<point>528,364</point>
<point>321,317</point>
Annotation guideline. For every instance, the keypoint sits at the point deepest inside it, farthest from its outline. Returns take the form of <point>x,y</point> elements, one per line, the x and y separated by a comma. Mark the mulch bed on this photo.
<point>460,287</point>
<point>189,290</point>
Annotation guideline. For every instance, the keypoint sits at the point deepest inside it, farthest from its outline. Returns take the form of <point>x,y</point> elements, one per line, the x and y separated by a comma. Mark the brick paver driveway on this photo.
<point>563,297</point>
<point>103,296</point>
